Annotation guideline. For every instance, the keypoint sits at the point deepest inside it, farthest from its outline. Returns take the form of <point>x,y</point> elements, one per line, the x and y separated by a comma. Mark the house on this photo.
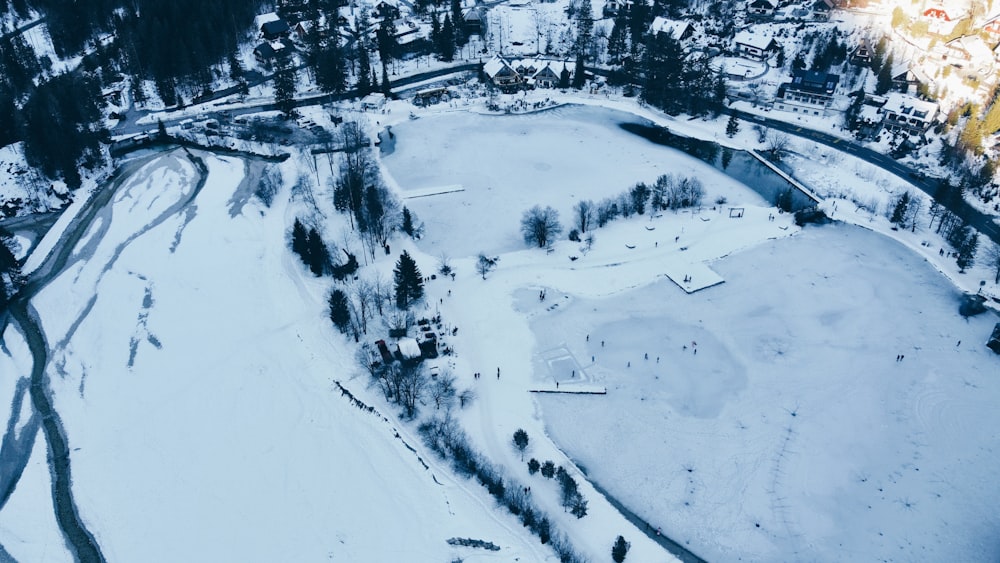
<point>822,9</point>
<point>387,9</point>
<point>969,50</point>
<point>862,54</point>
<point>992,25</point>
<point>678,30</point>
<point>373,102</point>
<point>755,46</point>
<point>302,29</point>
<point>761,8</point>
<point>907,114</point>
<point>274,29</point>
<point>903,77</point>
<point>501,74</point>
<point>612,8</point>
<point>473,18</point>
<point>936,13</point>
<point>994,342</point>
<point>810,92</point>
<point>548,75</point>
<point>270,51</point>
<point>408,349</point>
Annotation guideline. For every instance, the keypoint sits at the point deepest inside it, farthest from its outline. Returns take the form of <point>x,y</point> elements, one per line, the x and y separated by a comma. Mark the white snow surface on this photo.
<point>195,375</point>
<point>193,364</point>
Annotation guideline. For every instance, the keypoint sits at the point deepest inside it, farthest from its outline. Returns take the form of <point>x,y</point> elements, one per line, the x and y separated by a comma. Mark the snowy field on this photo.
<point>192,367</point>
<point>507,164</point>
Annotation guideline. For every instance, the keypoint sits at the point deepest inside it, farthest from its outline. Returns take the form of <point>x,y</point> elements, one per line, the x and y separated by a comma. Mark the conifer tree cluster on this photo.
<point>310,248</point>
<point>409,282</point>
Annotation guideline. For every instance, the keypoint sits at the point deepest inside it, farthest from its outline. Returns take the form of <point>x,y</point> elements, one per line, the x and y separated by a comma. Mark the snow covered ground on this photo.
<point>792,432</point>
<point>193,369</point>
<point>507,164</point>
<point>192,364</point>
<point>789,431</point>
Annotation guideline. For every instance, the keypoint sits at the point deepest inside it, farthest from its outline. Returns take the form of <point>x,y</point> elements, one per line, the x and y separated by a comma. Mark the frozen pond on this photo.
<point>771,420</point>
<point>507,164</point>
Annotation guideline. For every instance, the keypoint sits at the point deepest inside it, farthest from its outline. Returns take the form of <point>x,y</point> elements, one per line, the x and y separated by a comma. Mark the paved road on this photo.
<point>129,125</point>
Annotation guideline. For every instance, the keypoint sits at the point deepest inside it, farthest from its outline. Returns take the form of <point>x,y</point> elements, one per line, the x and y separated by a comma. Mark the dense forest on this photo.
<point>175,44</point>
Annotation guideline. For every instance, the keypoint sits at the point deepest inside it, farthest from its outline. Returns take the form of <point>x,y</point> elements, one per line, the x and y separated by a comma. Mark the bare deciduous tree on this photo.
<point>776,145</point>
<point>583,214</point>
<point>540,226</point>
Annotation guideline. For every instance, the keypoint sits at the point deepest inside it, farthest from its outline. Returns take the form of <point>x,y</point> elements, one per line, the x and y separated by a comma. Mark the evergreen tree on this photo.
<point>436,32</point>
<point>619,550</point>
<point>447,43</point>
<point>318,255</point>
<point>364,83</point>
<point>564,78</point>
<point>408,280</point>
<point>407,222</point>
<point>732,126</point>
<point>966,257</point>
<point>458,22</point>
<point>388,47</point>
<point>521,441</point>
<point>618,39</point>
<point>236,71</point>
<point>340,311</point>
<point>386,85</point>
<point>533,466</point>
<point>584,30</point>
<point>300,240</point>
<point>284,90</point>
<point>579,73</point>
<point>664,71</point>
<point>900,211</point>
<point>884,80</point>
<point>330,70</point>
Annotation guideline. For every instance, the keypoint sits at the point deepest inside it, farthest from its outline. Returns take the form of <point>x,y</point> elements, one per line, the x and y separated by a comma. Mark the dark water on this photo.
<point>736,164</point>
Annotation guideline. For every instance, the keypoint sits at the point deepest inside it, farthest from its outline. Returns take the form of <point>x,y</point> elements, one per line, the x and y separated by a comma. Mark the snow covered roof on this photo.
<point>754,39</point>
<point>910,106</point>
<point>265,18</point>
<point>408,348</point>
<point>495,65</point>
<point>673,28</point>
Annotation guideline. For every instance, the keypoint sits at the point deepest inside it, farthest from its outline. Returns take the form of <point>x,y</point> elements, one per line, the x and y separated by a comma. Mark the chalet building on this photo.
<point>274,30</point>
<point>822,9</point>
<point>754,46</point>
<point>904,79</point>
<point>387,9</point>
<point>810,92</point>
<point>862,54</point>
<point>678,30</point>
<point>474,22</point>
<point>904,113</point>
<point>270,51</point>
<point>546,77</point>
<point>761,8</point>
<point>501,74</point>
